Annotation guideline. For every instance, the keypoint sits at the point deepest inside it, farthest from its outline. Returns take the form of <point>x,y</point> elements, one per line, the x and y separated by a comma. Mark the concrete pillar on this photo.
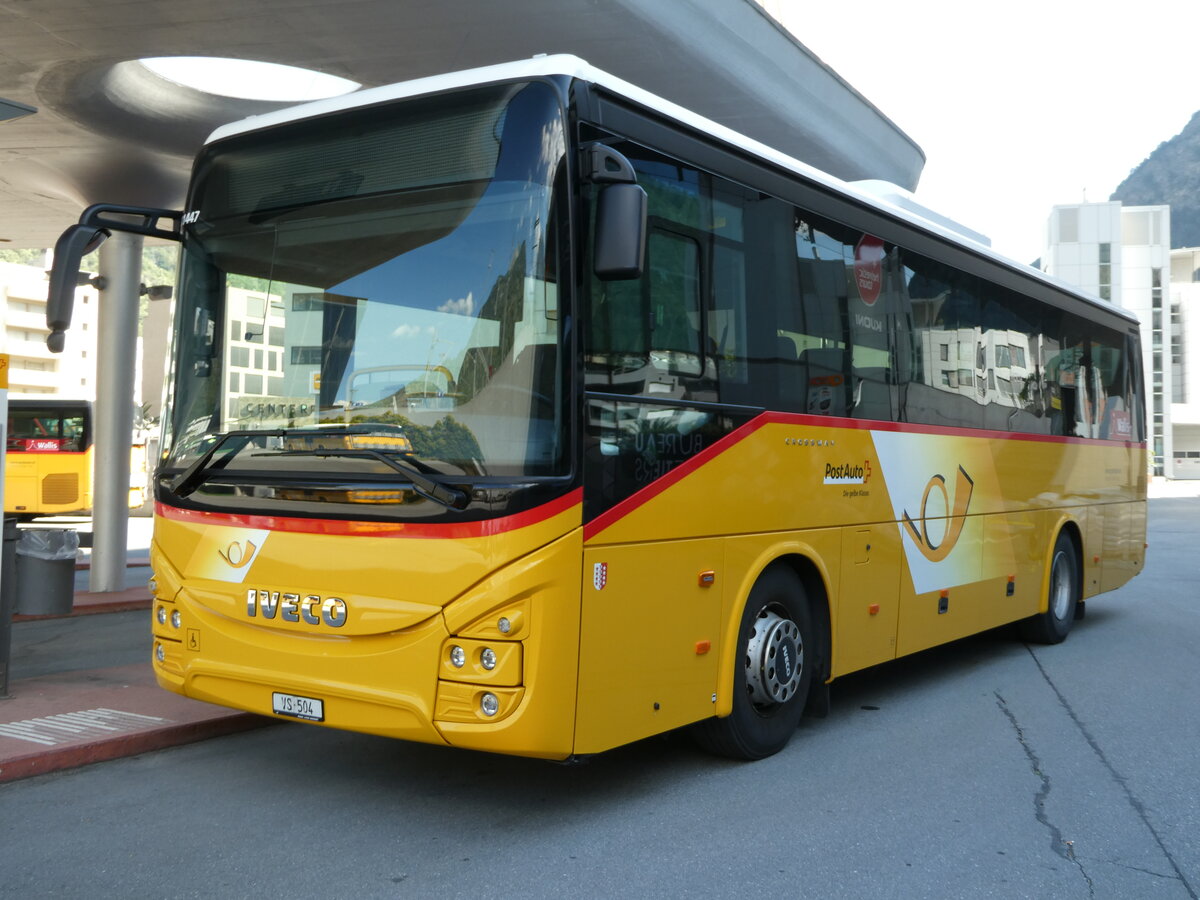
<point>116,354</point>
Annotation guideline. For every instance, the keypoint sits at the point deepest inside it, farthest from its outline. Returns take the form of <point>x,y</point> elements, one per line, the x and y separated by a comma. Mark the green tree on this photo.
<point>24,257</point>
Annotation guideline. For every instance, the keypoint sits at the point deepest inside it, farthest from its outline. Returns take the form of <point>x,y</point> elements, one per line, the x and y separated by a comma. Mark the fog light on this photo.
<point>176,619</point>
<point>504,625</point>
<point>162,615</point>
<point>159,653</point>
<point>458,656</point>
<point>489,704</point>
<point>487,658</point>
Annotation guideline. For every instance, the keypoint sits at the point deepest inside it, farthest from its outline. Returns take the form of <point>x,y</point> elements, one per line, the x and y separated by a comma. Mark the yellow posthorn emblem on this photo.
<point>936,552</point>
<point>236,556</point>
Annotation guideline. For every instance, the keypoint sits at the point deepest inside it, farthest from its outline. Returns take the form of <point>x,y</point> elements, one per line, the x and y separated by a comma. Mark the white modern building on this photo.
<point>1122,254</point>
<point>33,370</point>
<point>71,375</point>
<point>1185,373</point>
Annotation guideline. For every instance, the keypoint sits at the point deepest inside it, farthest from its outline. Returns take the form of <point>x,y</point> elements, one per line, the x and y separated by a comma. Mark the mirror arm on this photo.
<point>94,227</point>
<point>149,216</point>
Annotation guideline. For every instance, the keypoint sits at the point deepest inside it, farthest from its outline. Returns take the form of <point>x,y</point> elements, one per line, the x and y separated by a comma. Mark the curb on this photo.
<point>43,763</point>
<point>87,604</point>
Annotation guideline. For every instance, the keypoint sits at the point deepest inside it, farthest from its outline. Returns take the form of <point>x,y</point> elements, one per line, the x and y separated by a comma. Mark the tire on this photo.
<point>777,652</point>
<point>1052,626</point>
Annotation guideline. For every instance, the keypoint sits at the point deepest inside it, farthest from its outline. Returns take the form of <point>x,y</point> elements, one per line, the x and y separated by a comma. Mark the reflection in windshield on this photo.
<point>399,269</point>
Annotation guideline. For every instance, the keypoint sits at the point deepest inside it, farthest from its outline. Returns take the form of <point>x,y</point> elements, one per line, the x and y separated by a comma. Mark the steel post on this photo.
<point>121,267</point>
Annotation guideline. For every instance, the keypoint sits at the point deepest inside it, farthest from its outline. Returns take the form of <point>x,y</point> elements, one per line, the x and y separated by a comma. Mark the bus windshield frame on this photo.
<point>386,282</point>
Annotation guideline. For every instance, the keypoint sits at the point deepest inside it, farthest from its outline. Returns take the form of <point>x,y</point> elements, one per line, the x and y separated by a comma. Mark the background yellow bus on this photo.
<point>48,468</point>
<point>712,430</point>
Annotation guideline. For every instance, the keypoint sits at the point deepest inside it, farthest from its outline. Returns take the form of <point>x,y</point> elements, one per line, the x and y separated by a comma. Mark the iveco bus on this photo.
<point>521,410</point>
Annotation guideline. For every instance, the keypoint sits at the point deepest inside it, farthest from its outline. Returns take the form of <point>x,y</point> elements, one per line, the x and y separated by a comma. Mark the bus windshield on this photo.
<point>385,280</point>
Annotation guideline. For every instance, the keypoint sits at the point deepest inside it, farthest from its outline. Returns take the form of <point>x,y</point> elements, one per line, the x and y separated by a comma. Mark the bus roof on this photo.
<point>870,194</point>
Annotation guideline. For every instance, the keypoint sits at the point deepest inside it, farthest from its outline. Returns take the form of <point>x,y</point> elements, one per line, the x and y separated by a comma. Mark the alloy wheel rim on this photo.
<point>1060,586</point>
<point>774,659</point>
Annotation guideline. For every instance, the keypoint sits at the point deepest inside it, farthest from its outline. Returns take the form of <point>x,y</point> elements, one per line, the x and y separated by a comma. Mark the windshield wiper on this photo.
<point>421,483</point>
<point>196,474</point>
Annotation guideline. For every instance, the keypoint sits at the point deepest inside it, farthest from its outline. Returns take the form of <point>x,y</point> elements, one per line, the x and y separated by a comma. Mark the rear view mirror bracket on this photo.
<point>95,226</point>
<point>619,248</point>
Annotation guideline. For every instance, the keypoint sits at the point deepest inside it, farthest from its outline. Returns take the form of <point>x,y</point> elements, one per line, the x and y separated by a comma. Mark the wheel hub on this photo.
<point>774,659</point>
<point>1060,586</point>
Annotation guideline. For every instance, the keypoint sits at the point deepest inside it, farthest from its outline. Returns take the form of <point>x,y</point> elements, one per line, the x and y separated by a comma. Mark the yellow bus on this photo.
<point>662,427</point>
<point>48,467</point>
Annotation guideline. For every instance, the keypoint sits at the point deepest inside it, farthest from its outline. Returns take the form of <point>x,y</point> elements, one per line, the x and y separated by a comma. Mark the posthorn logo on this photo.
<point>238,556</point>
<point>949,515</point>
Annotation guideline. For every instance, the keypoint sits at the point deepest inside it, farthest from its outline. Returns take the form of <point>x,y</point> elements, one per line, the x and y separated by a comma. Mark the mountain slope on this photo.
<point>1171,174</point>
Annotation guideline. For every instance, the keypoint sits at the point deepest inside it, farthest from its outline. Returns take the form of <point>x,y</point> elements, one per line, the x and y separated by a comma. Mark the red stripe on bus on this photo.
<point>442,530</point>
<point>681,471</point>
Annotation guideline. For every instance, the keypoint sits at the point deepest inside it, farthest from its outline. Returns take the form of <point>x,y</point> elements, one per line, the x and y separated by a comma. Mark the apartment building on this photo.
<point>33,370</point>
<point>1122,254</point>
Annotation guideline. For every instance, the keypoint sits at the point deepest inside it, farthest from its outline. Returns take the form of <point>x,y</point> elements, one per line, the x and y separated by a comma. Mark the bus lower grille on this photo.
<point>59,489</point>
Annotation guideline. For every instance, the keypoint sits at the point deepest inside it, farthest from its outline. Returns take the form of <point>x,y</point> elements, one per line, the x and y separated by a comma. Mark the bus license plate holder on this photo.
<point>310,709</point>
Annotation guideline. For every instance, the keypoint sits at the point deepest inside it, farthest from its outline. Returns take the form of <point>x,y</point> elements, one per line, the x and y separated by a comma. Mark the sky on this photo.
<point>1020,105</point>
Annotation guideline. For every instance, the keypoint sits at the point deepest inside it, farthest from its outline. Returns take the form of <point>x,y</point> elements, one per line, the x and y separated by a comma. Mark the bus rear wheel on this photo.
<point>776,657</point>
<point>1052,626</point>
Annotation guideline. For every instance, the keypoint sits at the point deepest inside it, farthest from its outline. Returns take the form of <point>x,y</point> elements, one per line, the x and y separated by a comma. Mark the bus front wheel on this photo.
<point>1052,626</point>
<point>777,652</point>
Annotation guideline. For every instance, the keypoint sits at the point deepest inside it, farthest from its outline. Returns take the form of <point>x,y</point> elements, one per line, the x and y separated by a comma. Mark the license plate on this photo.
<point>307,708</point>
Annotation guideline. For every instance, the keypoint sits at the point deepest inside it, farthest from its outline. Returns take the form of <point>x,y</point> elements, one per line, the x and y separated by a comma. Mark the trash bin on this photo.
<point>8,574</point>
<point>46,571</point>
<point>8,599</point>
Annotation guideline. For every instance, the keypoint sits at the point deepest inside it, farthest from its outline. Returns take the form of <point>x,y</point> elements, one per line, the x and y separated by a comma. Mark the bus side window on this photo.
<point>72,434</point>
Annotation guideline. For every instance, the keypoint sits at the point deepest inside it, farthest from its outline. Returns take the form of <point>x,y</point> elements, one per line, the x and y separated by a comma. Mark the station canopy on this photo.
<point>107,128</point>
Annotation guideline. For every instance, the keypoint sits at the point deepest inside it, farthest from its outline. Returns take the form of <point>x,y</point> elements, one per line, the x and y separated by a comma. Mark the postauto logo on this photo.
<point>848,473</point>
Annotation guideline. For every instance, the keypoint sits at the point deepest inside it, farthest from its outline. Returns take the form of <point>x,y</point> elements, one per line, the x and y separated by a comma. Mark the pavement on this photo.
<point>81,688</point>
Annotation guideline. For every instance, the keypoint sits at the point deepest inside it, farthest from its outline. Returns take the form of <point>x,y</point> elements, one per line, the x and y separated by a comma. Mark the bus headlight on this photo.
<point>176,619</point>
<point>161,615</point>
<point>487,658</point>
<point>489,704</point>
<point>458,656</point>
<point>160,653</point>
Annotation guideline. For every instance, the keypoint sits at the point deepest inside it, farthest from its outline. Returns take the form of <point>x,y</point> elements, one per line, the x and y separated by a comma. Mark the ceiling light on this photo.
<point>248,79</point>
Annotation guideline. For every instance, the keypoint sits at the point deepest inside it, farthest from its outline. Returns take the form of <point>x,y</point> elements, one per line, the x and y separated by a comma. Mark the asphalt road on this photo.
<point>986,768</point>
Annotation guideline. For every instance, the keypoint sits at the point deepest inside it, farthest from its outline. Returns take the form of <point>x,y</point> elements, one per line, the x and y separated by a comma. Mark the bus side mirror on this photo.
<point>74,244</point>
<point>620,247</point>
<point>94,228</point>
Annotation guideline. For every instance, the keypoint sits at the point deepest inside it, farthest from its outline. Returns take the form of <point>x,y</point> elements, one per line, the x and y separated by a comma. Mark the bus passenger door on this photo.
<point>649,635</point>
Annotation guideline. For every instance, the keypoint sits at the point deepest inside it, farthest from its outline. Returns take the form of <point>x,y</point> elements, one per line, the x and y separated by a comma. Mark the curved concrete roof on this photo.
<point>107,129</point>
